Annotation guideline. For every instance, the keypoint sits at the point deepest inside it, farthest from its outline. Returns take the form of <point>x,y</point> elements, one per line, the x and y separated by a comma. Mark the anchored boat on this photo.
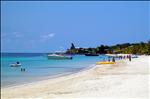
<point>17,64</point>
<point>91,54</point>
<point>58,56</point>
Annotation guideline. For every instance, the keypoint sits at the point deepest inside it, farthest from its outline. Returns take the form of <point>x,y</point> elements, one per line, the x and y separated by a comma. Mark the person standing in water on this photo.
<point>108,59</point>
<point>104,59</point>
<point>22,69</point>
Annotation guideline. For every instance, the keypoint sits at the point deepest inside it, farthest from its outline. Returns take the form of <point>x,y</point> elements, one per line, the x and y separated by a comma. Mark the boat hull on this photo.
<point>91,55</point>
<point>58,57</point>
<point>15,65</point>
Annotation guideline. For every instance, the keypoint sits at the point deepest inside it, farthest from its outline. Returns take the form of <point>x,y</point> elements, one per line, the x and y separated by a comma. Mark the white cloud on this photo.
<point>11,36</point>
<point>51,35</point>
<point>48,36</point>
<point>16,34</point>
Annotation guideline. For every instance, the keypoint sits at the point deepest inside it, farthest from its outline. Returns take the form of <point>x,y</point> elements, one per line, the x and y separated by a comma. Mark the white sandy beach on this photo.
<point>122,80</point>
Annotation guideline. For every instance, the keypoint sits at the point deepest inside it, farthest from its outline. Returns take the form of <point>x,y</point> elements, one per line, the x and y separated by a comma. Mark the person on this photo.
<point>129,57</point>
<point>22,69</point>
<point>113,59</point>
<point>17,62</point>
<point>109,59</point>
<point>104,59</point>
<point>120,57</point>
<point>124,57</point>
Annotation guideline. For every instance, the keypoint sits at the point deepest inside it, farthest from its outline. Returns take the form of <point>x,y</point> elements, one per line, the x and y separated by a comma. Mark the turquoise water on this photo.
<point>39,67</point>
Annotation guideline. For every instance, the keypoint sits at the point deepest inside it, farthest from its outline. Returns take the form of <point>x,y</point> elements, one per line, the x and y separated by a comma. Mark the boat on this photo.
<point>15,65</point>
<point>58,56</point>
<point>112,55</point>
<point>101,63</point>
<point>91,54</point>
<point>134,56</point>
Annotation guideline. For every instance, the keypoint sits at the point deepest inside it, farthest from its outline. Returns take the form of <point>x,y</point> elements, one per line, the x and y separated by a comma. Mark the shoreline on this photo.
<point>92,82</point>
<point>63,68</point>
<point>54,77</point>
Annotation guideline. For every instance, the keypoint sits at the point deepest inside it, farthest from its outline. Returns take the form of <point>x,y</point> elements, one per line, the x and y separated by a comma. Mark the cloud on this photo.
<point>48,36</point>
<point>16,34</point>
<point>10,35</point>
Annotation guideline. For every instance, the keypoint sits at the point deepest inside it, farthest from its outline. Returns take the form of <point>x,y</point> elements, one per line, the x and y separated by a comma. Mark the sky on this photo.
<point>36,26</point>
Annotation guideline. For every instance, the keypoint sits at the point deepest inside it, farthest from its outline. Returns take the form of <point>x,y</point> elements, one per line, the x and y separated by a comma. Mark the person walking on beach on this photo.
<point>129,57</point>
<point>121,57</point>
<point>113,59</point>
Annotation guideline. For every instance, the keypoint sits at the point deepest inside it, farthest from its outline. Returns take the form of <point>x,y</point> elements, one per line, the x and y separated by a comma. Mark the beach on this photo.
<point>124,79</point>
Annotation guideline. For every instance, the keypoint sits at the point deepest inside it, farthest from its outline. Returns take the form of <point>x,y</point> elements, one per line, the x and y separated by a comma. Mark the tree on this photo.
<point>102,50</point>
<point>72,46</point>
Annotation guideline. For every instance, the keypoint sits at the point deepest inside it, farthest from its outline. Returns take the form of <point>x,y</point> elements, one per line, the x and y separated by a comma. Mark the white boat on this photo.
<point>134,56</point>
<point>112,55</point>
<point>15,65</point>
<point>58,56</point>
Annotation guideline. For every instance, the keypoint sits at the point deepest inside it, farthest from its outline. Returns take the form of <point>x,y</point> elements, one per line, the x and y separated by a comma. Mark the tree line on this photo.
<point>125,48</point>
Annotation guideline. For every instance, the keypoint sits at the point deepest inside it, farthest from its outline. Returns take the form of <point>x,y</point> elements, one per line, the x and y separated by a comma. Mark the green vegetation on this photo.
<point>126,48</point>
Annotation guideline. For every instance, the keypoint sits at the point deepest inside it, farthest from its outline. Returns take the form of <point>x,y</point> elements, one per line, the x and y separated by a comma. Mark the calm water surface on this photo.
<point>39,67</point>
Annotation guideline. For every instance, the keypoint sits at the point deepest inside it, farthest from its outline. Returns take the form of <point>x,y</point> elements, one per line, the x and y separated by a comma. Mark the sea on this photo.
<point>39,67</point>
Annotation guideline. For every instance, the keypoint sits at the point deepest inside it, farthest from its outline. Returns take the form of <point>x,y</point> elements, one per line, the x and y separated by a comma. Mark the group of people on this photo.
<point>113,59</point>
<point>23,69</point>
<point>125,57</point>
<point>120,57</point>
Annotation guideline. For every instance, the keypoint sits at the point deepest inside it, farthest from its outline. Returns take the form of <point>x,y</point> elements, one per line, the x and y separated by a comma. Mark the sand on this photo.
<point>123,80</point>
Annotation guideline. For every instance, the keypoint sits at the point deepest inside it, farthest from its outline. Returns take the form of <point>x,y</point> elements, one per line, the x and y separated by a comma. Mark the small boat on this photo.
<point>15,65</point>
<point>101,63</point>
<point>112,55</point>
<point>134,56</point>
<point>91,54</point>
<point>58,56</point>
